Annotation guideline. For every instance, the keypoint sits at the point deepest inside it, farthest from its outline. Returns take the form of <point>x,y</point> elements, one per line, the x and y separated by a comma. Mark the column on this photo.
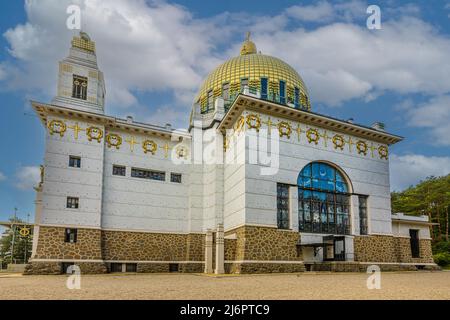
<point>220,250</point>
<point>209,252</point>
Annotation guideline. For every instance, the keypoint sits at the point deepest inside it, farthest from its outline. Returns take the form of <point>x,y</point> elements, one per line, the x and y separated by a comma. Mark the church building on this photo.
<point>257,182</point>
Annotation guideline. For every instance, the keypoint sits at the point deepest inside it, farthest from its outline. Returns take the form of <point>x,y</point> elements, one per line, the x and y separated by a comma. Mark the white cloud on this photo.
<point>2,176</point>
<point>27,177</point>
<point>155,46</point>
<point>141,46</point>
<point>434,115</point>
<point>343,61</point>
<point>410,169</point>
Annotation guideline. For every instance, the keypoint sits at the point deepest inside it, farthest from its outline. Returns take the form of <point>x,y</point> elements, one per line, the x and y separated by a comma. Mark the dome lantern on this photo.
<point>248,47</point>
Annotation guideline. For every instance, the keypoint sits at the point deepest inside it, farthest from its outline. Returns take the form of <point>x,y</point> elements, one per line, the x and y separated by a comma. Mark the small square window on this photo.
<point>72,203</point>
<point>74,162</point>
<point>119,171</point>
<point>175,177</point>
<point>71,235</point>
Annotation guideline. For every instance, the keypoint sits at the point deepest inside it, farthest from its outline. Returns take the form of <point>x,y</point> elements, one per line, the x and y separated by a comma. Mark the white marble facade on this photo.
<point>233,193</point>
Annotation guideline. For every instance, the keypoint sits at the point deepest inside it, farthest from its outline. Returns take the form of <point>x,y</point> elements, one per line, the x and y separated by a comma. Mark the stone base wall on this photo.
<point>269,267</point>
<point>54,268</point>
<point>263,243</point>
<point>51,244</point>
<point>119,245</point>
<point>377,248</point>
<point>362,267</point>
<point>165,267</point>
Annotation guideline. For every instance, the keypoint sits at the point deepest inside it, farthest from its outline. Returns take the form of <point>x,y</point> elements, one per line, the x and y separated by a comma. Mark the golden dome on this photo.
<point>248,69</point>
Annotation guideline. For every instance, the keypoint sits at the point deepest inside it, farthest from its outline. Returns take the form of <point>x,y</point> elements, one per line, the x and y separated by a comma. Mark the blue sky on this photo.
<point>155,54</point>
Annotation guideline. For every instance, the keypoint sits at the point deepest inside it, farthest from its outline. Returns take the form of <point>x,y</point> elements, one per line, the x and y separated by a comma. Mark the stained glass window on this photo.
<point>323,200</point>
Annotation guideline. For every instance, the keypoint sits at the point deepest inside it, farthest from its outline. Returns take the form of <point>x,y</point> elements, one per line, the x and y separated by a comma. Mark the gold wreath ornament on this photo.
<point>182,152</point>
<point>362,147</point>
<point>338,142</point>
<point>383,152</point>
<point>149,146</point>
<point>253,122</point>
<point>24,232</point>
<point>114,140</point>
<point>94,133</point>
<point>284,128</point>
<point>57,126</point>
<point>313,136</point>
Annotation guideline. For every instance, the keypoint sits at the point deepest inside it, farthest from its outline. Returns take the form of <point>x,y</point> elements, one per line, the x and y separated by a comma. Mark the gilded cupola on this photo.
<point>265,75</point>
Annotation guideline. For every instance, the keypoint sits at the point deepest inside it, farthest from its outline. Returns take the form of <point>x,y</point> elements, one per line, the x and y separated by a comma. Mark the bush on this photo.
<point>442,246</point>
<point>442,258</point>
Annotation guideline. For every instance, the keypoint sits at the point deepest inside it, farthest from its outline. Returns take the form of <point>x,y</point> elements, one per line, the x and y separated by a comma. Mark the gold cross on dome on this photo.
<point>372,149</point>
<point>132,141</point>
<point>76,129</point>
<point>350,144</point>
<point>299,132</point>
<point>269,125</point>
<point>325,138</point>
<point>166,149</point>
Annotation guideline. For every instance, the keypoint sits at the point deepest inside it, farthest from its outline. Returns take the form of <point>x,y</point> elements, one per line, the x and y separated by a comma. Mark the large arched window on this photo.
<point>323,200</point>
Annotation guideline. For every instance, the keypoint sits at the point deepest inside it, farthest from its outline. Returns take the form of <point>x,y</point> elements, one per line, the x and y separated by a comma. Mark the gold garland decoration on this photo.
<point>24,232</point>
<point>284,128</point>
<point>149,146</point>
<point>383,152</point>
<point>362,147</point>
<point>254,122</point>
<point>338,142</point>
<point>57,126</point>
<point>239,124</point>
<point>313,136</point>
<point>114,140</point>
<point>94,133</point>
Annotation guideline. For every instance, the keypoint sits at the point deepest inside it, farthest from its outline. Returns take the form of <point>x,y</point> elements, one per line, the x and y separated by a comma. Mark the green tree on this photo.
<point>22,245</point>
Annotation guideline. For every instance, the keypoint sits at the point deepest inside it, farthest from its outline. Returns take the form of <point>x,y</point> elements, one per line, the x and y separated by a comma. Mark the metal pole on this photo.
<point>26,241</point>
<point>14,235</point>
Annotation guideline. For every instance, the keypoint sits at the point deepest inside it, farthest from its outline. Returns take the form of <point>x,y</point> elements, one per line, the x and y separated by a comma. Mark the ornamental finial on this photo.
<point>248,47</point>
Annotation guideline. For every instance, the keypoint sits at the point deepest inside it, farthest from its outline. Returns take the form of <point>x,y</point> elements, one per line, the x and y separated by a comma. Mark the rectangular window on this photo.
<point>70,236</point>
<point>210,101</point>
<point>119,171</point>
<point>175,177</point>
<point>264,88</point>
<point>131,267</point>
<point>363,215</point>
<point>415,244</point>
<point>282,206</point>
<point>244,83</point>
<point>148,174</point>
<point>226,91</point>
<point>74,162</point>
<point>79,87</point>
<point>297,98</point>
<point>115,267</point>
<point>72,203</point>
<point>65,267</point>
<point>282,92</point>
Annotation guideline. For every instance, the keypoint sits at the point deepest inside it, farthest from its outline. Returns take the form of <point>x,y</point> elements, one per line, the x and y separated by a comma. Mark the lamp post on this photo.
<point>14,235</point>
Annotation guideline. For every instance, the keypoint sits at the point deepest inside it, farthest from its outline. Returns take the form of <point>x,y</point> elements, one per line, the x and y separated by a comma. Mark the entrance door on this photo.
<point>339,249</point>
<point>415,245</point>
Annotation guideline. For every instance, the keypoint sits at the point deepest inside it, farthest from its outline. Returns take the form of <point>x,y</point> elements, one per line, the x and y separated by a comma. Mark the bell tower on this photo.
<point>80,82</point>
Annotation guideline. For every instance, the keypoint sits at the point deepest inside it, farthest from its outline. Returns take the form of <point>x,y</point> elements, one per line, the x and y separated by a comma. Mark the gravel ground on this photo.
<point>404,285</point>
